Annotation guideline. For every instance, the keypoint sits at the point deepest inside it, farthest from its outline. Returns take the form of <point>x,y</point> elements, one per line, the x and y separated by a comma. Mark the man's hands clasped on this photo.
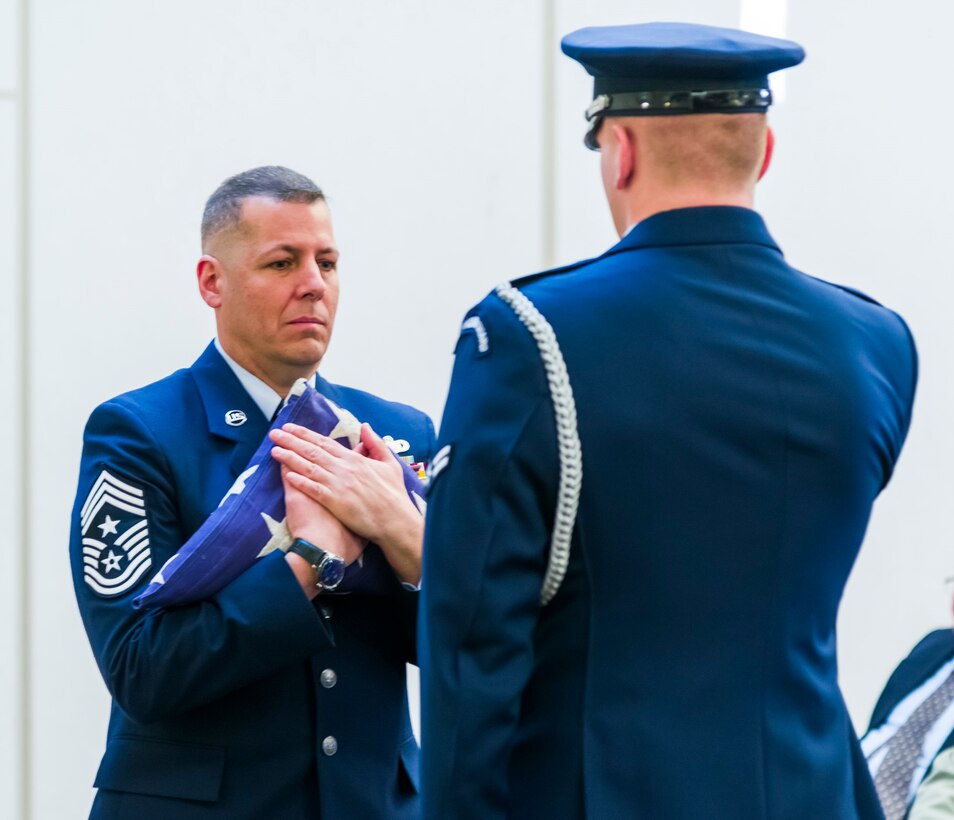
<point>339,499</point>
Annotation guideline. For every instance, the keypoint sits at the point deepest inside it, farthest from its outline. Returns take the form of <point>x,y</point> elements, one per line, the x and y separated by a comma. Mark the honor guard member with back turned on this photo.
<point>273,698</point>
<point>633,565</point>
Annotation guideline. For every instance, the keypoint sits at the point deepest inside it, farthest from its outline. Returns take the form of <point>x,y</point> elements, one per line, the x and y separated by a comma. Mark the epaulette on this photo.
<point>533,277</point>
<point>852,291</point>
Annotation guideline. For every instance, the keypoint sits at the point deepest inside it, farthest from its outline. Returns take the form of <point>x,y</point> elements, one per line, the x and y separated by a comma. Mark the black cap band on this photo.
<point>680,102</point>
<point>669,103</point>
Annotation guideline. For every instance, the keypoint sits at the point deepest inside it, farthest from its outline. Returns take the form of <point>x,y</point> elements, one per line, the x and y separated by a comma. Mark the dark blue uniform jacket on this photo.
<point>220,708</point>
<point>737,418</point>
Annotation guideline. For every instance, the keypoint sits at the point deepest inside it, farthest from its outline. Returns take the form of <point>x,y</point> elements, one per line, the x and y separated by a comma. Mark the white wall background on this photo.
<point>448,136</point>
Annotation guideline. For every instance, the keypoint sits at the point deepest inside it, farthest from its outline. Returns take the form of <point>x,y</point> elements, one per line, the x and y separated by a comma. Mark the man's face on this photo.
<point>274,284</point>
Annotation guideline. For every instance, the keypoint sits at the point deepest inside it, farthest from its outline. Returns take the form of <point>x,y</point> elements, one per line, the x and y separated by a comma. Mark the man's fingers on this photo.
<point>374,445</point>
<point>328,444</point>
<point>301,432</point>
<point>296,463</point>
<point>314,452</point>
<point>296,437</point>
<point>312,489</point>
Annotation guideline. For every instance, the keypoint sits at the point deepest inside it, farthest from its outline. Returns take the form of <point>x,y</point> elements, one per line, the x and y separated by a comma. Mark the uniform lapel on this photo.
<point>221,393</point>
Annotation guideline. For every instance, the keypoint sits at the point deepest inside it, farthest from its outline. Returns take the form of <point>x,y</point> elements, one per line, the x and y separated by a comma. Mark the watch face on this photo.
<point>331,571</point>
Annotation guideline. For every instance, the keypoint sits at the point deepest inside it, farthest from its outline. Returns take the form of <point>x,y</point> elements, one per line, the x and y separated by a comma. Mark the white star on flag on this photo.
<point>239,486</point>
<point>347,427</point>
<point>281,538</point>
<point>108,526</point>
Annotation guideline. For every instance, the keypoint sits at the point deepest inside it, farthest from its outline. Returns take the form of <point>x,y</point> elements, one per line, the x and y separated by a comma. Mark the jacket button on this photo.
<point>329,745</point>
<point>329,678</point>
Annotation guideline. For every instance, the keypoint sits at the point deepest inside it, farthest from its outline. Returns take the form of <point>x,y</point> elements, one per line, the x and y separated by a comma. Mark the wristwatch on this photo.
<point>329,568</point>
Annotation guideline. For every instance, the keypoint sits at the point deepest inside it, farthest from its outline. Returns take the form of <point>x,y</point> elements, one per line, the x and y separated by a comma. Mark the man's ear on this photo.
<point>769,150</point>
<point>626,156</point>
<point>208,273</point>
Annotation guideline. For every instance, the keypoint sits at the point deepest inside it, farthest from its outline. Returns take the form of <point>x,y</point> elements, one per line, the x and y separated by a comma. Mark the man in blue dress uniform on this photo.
<point>654,473</point>
<point>274,698</point>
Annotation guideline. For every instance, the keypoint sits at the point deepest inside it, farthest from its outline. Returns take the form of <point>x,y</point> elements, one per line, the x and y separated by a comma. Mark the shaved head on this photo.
<point>713,150</point>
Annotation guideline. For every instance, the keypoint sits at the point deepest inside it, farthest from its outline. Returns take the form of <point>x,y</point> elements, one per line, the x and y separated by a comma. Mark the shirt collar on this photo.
<point>264,397</point>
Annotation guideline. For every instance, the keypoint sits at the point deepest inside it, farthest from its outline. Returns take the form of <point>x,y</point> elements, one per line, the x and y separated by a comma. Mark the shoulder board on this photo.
<point>853,292</point>
<point>533,277</point>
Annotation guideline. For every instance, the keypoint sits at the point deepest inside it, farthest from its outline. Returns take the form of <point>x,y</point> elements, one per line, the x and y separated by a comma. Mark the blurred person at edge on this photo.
<point>909,744</point>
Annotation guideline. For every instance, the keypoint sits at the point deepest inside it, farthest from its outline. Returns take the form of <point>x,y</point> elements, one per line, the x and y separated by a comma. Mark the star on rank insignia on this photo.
<point>115,536</point>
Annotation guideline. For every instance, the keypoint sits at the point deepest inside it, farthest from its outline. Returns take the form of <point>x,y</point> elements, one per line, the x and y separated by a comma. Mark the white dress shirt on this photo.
<point>264,397</point>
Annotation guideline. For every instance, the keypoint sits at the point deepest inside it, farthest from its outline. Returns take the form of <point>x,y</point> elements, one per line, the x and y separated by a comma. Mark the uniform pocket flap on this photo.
<point>162,768</point>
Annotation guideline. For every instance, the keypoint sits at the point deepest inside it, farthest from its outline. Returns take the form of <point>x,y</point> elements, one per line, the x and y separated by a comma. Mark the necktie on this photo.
<point>893,780</point>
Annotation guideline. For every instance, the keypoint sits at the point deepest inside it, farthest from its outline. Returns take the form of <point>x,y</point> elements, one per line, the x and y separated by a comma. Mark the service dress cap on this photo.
<point>663,69</point>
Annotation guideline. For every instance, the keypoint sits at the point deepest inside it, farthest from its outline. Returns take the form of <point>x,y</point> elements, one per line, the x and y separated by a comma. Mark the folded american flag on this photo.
<point>250,520</point>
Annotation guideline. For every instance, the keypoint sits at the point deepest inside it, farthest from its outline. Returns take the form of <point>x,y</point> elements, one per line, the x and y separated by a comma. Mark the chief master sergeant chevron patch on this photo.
<point>115,536</point>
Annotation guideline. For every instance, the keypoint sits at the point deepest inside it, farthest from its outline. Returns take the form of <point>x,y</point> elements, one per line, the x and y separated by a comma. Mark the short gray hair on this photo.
<point>224,208</point>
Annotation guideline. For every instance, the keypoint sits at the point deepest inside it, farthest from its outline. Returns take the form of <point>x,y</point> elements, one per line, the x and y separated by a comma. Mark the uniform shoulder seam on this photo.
<point>853,291</point>
<point>126,404</point>
<point>183,375</point>
<point>533,277</point>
